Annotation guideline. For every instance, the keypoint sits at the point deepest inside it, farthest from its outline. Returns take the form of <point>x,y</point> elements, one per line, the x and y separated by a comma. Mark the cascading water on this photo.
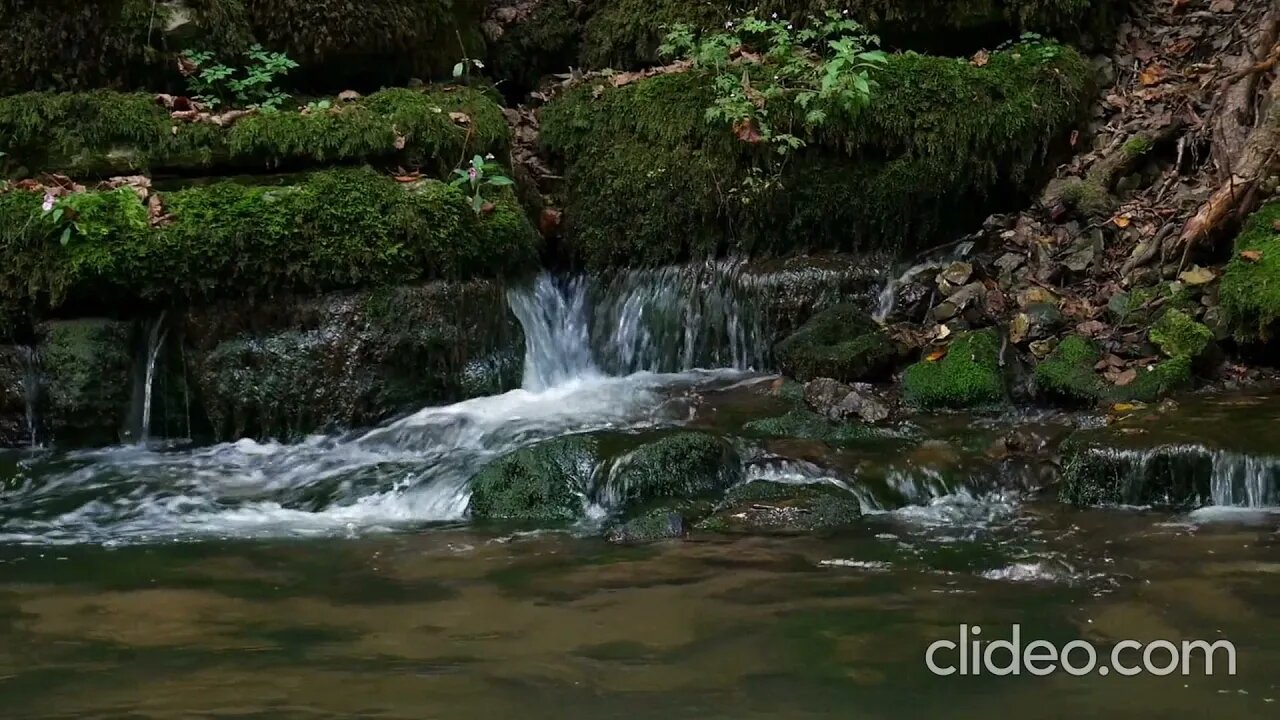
<point>155,341</point>
<point>887,299</point>
<point>31,384</point>
<point>620,355</point>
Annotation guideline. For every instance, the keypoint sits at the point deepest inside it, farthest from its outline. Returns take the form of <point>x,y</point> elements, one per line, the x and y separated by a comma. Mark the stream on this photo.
<point>339,576</point>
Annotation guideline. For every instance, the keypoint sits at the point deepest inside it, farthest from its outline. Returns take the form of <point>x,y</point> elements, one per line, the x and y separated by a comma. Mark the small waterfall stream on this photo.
<point>155,341</point>
<point>31,387</point>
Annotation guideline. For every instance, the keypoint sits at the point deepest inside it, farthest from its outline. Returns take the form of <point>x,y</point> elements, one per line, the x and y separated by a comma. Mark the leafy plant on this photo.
<point>481,173</point>
<point>462,70</point>
<point>94,216</point>
<point>252,86</point>
<point>316,106</point>
<point>774,81</point>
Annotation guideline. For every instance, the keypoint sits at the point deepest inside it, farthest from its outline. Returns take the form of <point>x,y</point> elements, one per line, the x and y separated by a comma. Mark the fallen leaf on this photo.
<point>1152,75</point>
<point>407,178</point>
<point>1179,5</point>
<point>400,141</point>
<point>1251,256</point>
<point>549,222</point>
<point>1123,407</point>
<point>460,118</point>
<point>1197,276</point>
<point>936,355</point>
<point>1121,221</point>
<point>1276,226</point>
<point>348,95</point>
<point>980,58</point>
<point>1181,47</point>
<point>1126,377</point>
<point>1223,6</point>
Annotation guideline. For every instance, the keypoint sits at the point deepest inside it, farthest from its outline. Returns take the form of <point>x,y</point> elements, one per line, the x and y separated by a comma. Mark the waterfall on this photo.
<point>30,359</point>
<point>661,320</point>
<point>155,341</point>
<point>888,297</point>
<point>1245,480</point>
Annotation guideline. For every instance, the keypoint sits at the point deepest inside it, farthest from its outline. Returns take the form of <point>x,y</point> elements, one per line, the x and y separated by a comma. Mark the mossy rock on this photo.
<point>547,41</point>
<point>13,399</point>
<point>913,166</point>
<point>86,366</point>
<point>684,465</point>
<point>104,133</point>
<point>294,366</point>
<point>969,375</point>
<point>666,521</point>
<point>1177,334</point>
<point>1250,289</point>
<point>625,34</point>
<point>326,231</point>
<point>547,482</point>
<point>806,425</point>
<point>131,44</point>
<point>840,343</point>
<point>1155,381</point>
<point>781,508</point>
<point>1068,374</point>
<point>1100,475</point>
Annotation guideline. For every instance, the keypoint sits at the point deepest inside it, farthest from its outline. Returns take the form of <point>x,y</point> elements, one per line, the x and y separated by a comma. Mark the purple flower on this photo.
<point>47,205</point>
<point>471,173</point>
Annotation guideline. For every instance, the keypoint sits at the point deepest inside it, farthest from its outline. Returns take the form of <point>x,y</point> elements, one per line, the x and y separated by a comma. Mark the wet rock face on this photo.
<point>837,401</point>
<point>686,465</point>
<point>350,359</point>
<point>86,371</point>
<point>13,404</point>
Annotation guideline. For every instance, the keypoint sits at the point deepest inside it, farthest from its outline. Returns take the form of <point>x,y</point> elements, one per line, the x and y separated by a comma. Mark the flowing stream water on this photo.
<point>338,577</point>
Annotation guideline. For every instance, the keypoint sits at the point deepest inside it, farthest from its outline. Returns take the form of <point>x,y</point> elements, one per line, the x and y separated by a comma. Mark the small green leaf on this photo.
<point>501,180</point>
<point>66,235</point>
<point>457,70</point>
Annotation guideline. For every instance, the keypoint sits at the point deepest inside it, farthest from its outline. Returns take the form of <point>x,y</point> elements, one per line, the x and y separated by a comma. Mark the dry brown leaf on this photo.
<point>1125,378</point>
<point>1152,75</point>
<point>460,118</point>
<point>980,58</point>
<point>348,95</point>
<point>1223,6</point>
<point>1251,256</point>
<point>1121,221</point>
<point>400,141</point>
<point>936,355</point>
<point>747,132</point>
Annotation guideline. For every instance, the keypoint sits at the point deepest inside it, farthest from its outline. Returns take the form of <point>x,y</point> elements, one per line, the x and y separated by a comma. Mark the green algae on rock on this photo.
<point>762,507</point>
<point>327,231</point>
<point>968,376</point>
<point>684,465</point>
<point>1068,374</point>
<point>85,366</point>
<point>625,34</point>
<point>915,164</point>
<point>103,133</point>
<point>545,482</point>
<point>841,343</point>
<point>806,425</point>
<point>1177,334</point>
<point>1250,290</point>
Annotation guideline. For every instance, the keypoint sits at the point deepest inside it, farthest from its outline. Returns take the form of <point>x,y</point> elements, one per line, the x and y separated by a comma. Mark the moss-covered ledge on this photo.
<point>1250,290</point>
<point>325,231</point>
<point>626,33</point>
<point>109,133</point>
<point>942,142</point>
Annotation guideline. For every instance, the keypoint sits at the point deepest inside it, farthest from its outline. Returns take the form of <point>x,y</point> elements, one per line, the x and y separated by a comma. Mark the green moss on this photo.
<point>685,465</point>
<point>85,365</point>
<point>969,375</point>
<point>840,343</point>
<point>667,520</point>
<point>1087,195</point>
<point>546,482</point>
<point>1250,290</point>
<point>330,230</point>
<point>111,133</point>
<point>783,508</point>
<point>1137,145</point>
<point>1067,374</point>
<point>125,44</point>
<point>1177,334</point>
<point>1155,381</point>
<point>626,33</point>
<point>915,165</point>
<point>806,425</point>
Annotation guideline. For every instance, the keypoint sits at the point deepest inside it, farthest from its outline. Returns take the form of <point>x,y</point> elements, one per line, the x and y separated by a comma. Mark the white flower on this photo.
<point>775,16</point>
<point>47,205</point>
<point>489,156</point>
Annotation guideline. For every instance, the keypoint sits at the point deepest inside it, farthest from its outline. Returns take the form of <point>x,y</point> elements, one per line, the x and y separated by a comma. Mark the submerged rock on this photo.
<point>546,482</point>
<point>666,521</point>
<point>806,425</point>
<point>87,371</point>
<point>762,507</point>
<point>841,343</point>
<point>837,401</point>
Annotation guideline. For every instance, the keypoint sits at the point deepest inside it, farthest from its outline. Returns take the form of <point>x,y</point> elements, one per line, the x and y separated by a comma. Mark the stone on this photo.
<point>545,482</point>
<point>836,401</point>
<point>954,275</point>
<point>1009,262</point>
<point>681,466</point>
<point>87,370</point>
<point>783,508</point>
<point>841,343</point>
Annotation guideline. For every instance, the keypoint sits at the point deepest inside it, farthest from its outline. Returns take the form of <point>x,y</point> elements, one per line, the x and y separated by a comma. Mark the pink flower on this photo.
<point>471,173</point>
<point>47,205</point>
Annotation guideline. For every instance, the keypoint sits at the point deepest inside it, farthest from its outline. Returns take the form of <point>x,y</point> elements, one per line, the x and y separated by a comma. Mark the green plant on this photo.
<point>775,82</point>
<point>479,173</point>
<point>462,70</point>
<point>94,216</point>
<point>252,86</point>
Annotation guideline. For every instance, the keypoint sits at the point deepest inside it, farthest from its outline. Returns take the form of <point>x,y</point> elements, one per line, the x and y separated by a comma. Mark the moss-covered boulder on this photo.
<point>1101,476</point>
<point>684,465</point>
<point>298,365</point>
<point>326,231</point>
<point>942,142</point>
<point>665,521</point>
<point>1250,290</point>
<point>1177,334</point>
<point>782,508</point>
<point>86,368</point>
<point>130,44</point>
<point>547,482</point>
<point>626,33</point>
<point>840,343</point>
<point>105,133</point>
<point>968,375</point>
<point>1067,375</point>
<point>806,425</point>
